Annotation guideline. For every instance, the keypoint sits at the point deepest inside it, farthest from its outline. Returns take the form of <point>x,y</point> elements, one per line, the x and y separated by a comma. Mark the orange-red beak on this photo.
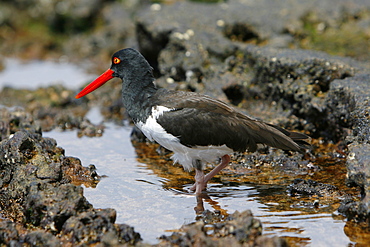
<point>98,82</point>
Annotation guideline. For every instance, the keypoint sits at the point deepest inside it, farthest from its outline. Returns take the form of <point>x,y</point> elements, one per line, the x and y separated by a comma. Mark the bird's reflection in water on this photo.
<point>204,197</point>
<point>199,208</point>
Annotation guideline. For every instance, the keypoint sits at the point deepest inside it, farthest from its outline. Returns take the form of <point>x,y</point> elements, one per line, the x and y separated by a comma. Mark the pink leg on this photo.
<point>224,162</point>
<point>201,180</point>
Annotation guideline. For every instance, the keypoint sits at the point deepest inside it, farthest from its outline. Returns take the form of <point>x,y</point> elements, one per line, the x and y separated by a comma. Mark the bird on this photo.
<point>198,129</point>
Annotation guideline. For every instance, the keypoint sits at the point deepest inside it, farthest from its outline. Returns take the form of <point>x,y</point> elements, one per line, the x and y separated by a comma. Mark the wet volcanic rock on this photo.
<point>352,105</point>
<point>238,229</point>
<point>36,191</point>
<point>192,46</point>
<point>98,226</point>
<point>301,187</point>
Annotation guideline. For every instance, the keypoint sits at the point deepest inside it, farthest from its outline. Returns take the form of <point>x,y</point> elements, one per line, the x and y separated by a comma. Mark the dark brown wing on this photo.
<point>199,120</point>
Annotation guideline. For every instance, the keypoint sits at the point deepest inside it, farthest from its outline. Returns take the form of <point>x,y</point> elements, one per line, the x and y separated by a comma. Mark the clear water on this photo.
<point>138,193</point>
<point>35,74</point>
<point>140,199</point>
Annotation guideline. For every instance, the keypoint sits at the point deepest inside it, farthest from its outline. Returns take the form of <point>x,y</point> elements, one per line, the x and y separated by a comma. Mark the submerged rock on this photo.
<point>309,187</point>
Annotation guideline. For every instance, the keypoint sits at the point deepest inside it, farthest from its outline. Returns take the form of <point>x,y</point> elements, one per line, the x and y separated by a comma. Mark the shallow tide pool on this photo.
<point>141,200</point>
<point>39,73</point>
<point>155,203</point>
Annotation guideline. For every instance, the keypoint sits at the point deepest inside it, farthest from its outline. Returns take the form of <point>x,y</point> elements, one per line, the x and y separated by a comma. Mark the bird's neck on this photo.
<point>136,94</point>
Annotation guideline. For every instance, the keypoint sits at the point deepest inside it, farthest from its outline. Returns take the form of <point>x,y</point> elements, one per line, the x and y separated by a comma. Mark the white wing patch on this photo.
<point>182,154</point>
<point>152,129</point>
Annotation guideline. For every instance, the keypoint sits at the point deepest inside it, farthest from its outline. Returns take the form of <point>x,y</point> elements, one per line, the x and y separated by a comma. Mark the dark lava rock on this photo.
<point>356,211</point>
<point>301,187</point>
<point>287,161</point>
<point>32,182</point>
<point>8,232</point>
<point>44,110</point>
<point>41,238</point>
<point>358,174</point>
<point>348,107</point>
<point>299,81</point>
<point>238,229</point>
<point>189,41</point>
<point>15,119</point>
<point>36,191</point>
<point>358,167</point>
<point>351,98</point>
<point>98,226</point>
<point>208,48</point>
<point>118,32</point>
<point>86,128</point>
<point>69,17</point>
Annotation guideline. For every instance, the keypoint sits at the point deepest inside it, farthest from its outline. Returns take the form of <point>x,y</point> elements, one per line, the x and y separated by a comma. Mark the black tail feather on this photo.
<point>299,138</point>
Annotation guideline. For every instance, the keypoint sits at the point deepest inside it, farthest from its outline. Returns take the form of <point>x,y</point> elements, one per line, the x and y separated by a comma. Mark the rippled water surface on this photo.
<point>144,200</point>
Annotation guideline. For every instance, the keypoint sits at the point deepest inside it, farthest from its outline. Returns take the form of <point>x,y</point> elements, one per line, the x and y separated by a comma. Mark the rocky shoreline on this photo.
<point>237,51</point>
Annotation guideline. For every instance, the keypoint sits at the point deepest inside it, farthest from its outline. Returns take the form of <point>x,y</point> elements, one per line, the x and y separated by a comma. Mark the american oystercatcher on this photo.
<point>197,128</point>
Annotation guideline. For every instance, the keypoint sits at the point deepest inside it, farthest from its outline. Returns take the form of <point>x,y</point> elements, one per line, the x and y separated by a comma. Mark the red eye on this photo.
<point>116,60</point>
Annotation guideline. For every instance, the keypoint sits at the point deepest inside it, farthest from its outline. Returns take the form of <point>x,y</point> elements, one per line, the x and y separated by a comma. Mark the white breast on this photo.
<point>182,154</point>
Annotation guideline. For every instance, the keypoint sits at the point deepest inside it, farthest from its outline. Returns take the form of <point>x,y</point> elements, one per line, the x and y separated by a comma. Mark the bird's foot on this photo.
<point>201,180</point>
<point>199,208</point>
<point>198,188</point>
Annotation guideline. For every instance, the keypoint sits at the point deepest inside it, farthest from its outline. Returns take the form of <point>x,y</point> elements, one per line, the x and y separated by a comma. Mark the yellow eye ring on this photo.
<point>116,60</point>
